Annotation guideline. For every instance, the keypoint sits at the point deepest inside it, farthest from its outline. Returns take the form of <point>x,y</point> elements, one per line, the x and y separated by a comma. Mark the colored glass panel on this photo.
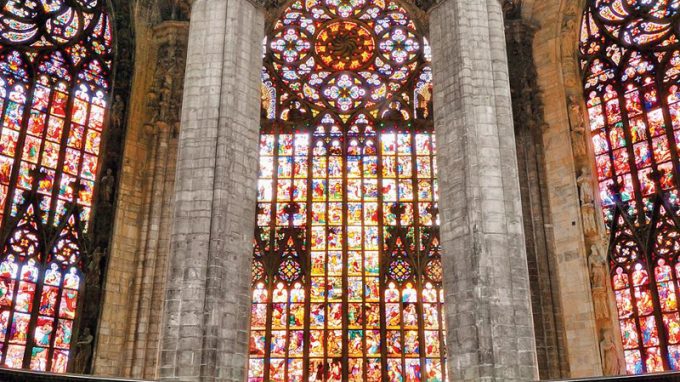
<point>629,61</point>
<point>347,201</point>
<point>55,60</point>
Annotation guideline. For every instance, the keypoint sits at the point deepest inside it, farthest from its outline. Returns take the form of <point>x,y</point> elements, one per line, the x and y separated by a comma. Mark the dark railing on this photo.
<point>11,375</point>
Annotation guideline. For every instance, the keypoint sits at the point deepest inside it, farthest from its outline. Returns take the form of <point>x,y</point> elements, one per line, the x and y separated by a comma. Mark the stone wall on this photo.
<point>568,163</point>
<point>541,262</point>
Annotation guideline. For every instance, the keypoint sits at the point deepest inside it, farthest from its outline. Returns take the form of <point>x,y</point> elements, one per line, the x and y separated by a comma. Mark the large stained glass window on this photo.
<point>347,276</point>
<point>55,58</point>
<point>630,59</point>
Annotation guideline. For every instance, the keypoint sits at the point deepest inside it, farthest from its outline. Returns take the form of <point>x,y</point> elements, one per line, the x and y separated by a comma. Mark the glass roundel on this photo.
<point>55,61</point>
<point>344,55</point>
<point>630,61</point>
<point>347,272</point>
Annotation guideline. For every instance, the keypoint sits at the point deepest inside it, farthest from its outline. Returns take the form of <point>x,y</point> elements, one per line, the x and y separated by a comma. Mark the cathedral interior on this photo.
<point>339,190</point>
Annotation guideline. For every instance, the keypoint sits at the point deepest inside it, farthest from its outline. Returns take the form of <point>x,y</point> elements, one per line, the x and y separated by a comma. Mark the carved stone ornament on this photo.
<point>164,98</point>
<point>611,364</point>
<point>107,184</point>
<point>512,9</point>
<point>578,126</point>
<point>588,216</point>
<point>585,186</point>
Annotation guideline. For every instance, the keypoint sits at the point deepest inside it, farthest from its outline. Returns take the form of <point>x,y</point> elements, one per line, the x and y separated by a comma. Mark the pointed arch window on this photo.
<point>347,278</point>
<point>55,61</point>
<point>630,60</point>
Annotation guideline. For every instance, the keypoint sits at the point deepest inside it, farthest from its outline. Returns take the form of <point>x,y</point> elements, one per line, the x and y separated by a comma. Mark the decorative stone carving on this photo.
<point>598,267</point>
<point>585,186</point>
<point>576,114</point>
<point>177,10</point>
<point>164,98</point>
<point>512,9</point>
<point>107,184</point>
<point>600,303</point>
<point>598,279</point>
<point>117,112</point>
<point>527,101</point>
<point>95,266</point>
<point>585,191</point>
<point>588,217</point>
<point>611,365</point>
<point>578,127</point>
<point>84,345</point>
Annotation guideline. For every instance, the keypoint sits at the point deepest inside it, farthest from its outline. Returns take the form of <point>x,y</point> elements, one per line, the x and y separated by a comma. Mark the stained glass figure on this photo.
<point>630,59</point>
<point>347,278</point>
<point>55,60</point>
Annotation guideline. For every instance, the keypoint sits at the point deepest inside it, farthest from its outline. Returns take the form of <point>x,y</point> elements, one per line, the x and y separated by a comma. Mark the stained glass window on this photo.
<point>347,275</point>
<point>630,60</point>
<point>55,59</point>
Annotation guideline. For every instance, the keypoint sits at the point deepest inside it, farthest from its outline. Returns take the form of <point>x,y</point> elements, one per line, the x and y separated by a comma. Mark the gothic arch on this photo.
<point>71,50</point>
<point>556,46</point>
<point>574,233</point>
<point>628,76</point>
<point>362,124</point>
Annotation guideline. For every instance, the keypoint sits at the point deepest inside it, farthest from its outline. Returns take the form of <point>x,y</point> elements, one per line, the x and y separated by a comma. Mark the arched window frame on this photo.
<point>61,55</point>
<point>299,238</point>
<point>629,62</point>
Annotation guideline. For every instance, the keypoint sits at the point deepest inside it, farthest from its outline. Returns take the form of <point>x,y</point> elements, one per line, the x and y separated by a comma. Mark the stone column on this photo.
<point>163,101</point>
<point>541,258</point>
<point>206,317</point>
<point>490,328</point>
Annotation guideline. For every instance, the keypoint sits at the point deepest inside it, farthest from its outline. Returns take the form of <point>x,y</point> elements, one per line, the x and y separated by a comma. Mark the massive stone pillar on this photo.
<point>206,317</point>
<point>531,155</point>
<point>163,101</point>
<point>490,328</point>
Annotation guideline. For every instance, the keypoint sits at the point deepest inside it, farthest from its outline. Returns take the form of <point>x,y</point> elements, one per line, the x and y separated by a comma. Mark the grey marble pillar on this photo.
<point>206,317</point>
<point>490,328</point>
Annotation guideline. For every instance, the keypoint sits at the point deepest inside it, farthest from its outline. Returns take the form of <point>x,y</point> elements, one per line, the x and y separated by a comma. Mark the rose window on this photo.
<point>345,46</point>
<point>346,54</point>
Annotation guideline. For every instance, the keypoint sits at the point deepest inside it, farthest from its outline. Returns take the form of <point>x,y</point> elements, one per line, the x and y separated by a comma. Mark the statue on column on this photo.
<point>598,279</point>
<point>585,187</point>
<point>611,365</point>
<point>107,184</point>
<point>578,127</point>
<point>84,346</point>
<point>598,267</point>
<point>588,216</point>
<point>585,192</point>
<point>117,112</point>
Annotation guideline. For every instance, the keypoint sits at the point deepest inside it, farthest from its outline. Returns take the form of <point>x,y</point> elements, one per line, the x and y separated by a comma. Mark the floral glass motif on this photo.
<point>630,60</point>
<point>347,278</point>
<point>55,60</point>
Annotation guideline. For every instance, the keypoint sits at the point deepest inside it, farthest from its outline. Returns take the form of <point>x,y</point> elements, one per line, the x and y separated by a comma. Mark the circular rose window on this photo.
<point>344,45</point>
<point>344,55</point>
